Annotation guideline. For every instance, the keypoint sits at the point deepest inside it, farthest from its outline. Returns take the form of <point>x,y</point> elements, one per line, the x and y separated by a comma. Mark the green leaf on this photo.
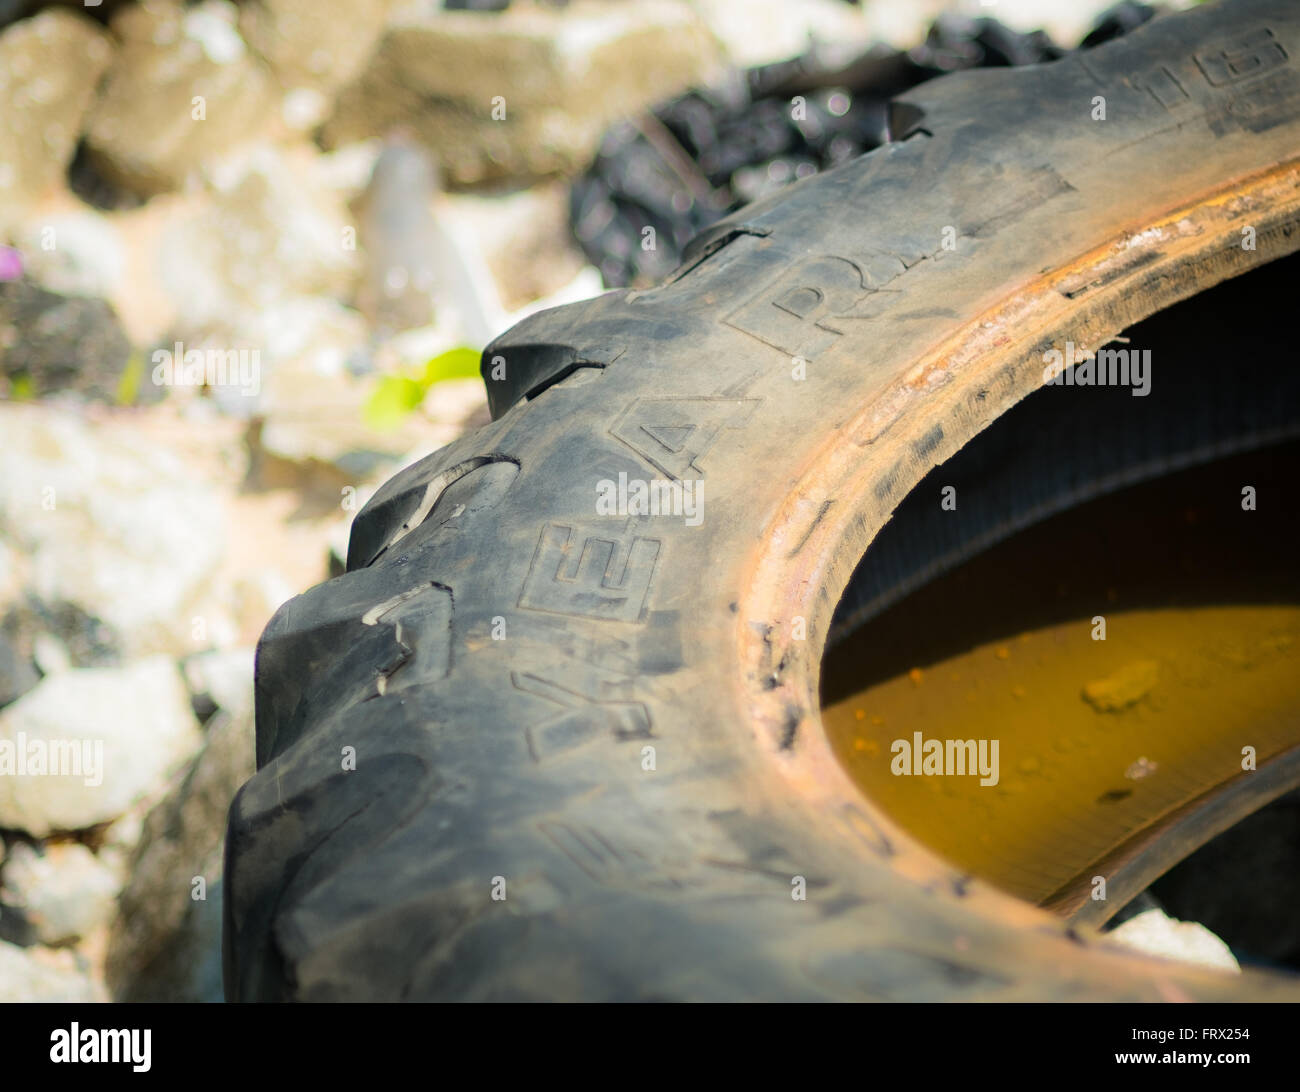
<point>128,386</point>
<point>459,363</point>
<point>391,400</point>
<point>395,396</point>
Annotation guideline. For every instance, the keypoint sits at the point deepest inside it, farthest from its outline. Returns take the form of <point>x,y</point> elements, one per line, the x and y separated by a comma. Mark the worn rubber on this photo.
<point>517,766</point>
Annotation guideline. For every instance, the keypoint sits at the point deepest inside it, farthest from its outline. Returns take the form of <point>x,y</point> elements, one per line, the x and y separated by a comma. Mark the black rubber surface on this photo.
<point>507,755</point>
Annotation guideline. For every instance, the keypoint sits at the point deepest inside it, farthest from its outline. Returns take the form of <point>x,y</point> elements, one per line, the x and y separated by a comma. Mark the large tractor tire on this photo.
<point>527,749</point>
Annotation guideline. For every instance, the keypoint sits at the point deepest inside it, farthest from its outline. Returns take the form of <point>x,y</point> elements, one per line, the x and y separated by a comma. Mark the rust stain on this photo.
<point>781,586</point>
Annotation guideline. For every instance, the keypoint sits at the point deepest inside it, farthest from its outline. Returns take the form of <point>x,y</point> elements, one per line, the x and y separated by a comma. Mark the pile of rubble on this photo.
<point>222,227</point>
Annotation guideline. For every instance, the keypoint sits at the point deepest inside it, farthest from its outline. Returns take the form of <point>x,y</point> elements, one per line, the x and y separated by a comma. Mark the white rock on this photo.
<point>50,654</point>
<point>1157,934</point>
<point>49,66</point>
<point>1065,23</point>
<point>755,32</point>
<point>115,525</point>
<point>270,232</point>
<point>74,253</point>
<point>182,90</point>
<point>303,108</point>
<point>213,27</point>
<point>226,676</point>
<point>132,726</point>
<point>308,51</point>
<point>65,892</point>
<point>346,170</point>
<point>523,238</point>
<point>314,407</point>
<point>38,975</point>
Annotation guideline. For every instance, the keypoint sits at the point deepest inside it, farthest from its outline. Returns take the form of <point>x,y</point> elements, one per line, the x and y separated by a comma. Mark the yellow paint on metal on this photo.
<point>1198,598</point>
<point>1097,739</point>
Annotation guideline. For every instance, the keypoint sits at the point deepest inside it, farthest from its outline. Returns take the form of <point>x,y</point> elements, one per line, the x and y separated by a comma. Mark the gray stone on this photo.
<point>49,66</point>
<point>131,726</point>
<point>309,49</point>
<point>400,240</point>
<point>17,672</point>
<point>64,892</point>
<point>108,521</point>
<point>51,343</point>
<point>58,636</point>
<point>561,76</point>
<point>166,944</point>
<point>182,90</point>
